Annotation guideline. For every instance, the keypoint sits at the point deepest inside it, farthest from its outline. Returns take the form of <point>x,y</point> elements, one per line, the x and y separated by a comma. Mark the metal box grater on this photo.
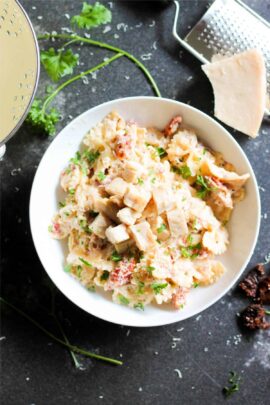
<point>228,27</point>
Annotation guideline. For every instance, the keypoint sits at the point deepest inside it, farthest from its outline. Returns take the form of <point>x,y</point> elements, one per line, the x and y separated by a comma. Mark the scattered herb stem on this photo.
<point>49,99</point>
<point>99,44</point>
<point>63,343</point>
<point>267,312</point>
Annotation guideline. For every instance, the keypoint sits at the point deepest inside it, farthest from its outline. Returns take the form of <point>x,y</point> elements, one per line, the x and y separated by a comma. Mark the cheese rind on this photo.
<point>239,85</point>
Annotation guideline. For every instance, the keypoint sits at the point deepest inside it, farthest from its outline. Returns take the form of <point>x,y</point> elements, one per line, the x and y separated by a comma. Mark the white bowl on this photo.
<point>147,111</point>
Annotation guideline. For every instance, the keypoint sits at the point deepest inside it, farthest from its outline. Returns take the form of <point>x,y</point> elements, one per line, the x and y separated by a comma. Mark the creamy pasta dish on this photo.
<point>145,212</point>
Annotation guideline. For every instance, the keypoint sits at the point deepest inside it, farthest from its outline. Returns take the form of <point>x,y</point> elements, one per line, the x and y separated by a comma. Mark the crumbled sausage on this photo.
<point>121,275</point>
<point>172,126</point>
<point>253,317</point>
<point>250,283</point>
<point>264,290</point>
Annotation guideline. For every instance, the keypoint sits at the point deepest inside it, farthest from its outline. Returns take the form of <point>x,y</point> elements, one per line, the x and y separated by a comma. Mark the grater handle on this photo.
<point>180,40</point>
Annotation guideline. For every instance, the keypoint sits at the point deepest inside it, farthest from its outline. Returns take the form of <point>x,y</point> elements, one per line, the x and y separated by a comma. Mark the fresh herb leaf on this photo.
<point>105,275</point>
<point>140,181</point>
<point>190,238</point>
<point>161,152</point>
<point>185,252</point>
<point>139,306</point>
<point>150,269</point>
<point>85,262</point>
<point>204,188</point>
<point>195,284</point>
<point>61,204</point>
<point>91,156</point>
<point>153,180</point>
<point>101,176</point>
<point>58,64</point>
<point>123,300</point>
<point>158,287</point>
<point>71,191</point>
<point>140,287</point>
<point>116,257</point>
<point>44,121</point>
<point>92,16</point>
<point>79,271</point>
<point>162,228</point>
<point>233,384</point>
<point>68,268</point>
<point>84,225</point>
<point>91,288</point>
<point>77,159</point>
<point>50,228</point>
<point>184,171</point>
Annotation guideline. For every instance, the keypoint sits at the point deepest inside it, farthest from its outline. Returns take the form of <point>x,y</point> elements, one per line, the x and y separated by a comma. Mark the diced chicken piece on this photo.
<point>137,197</point>
<point>216,241</point>
<point>179,297</point>
<point>143,236</point>
<point>117,234</point>
<point>177,222</point>
<point>107,207</point>
<point>123,246</point>
<point>117,187</point>
<point>210,271</point>
<point>163,198</point>
<point>99,225</point>
<point>181,144</point>
<point>128,216</point>
<point>239,85</point>
<point>117,200</point>
<point>231,178</point>
<point>132,171</point>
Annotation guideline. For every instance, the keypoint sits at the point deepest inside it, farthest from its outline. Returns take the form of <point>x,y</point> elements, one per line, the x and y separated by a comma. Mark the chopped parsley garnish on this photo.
<point>67,268</point>
<point>71,191</point>
<point>158,287</point>
<point>233,384</point>
<point>77,159</point>
<point>101,176</point>
<point>184,171</point>
<point>123,300</point>
<point>140,287</point>
<point>153,180</point>
<point>61,204</point>
<point>150,269</point>
<point>191,252</point>
<point>162,228</point>
<point>195,284</point>
<point>140,181</point>
<point>91,288</point>
<point>139,306</point>
<point>190,238</point>
<point>161,152</point>
<point>204,188</point>
<point>91,156</point>
<point>50,228</point>
<point>84,225</point>
<point>116,257</point>
<point>79,271</point>
<point>105,275</point>
<point>85,262</point>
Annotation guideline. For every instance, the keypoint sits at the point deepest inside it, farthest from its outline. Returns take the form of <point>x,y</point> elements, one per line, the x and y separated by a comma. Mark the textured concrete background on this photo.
<point>205,348</point>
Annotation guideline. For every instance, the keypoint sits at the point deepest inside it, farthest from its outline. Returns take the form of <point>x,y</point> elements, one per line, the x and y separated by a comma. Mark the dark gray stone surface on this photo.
<point>37,371</point>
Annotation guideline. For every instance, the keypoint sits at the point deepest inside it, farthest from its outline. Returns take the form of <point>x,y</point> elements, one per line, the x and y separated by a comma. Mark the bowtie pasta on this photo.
<point>145,212</point>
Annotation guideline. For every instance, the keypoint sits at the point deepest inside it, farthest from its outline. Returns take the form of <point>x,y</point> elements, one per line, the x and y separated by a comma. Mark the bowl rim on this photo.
<point>211,302</point>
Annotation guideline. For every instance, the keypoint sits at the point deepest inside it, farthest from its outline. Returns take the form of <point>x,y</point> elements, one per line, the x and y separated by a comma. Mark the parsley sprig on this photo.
<point>64,342</point>
<point>59,63</point>
<point>204,187</point>
<point>233,386</point>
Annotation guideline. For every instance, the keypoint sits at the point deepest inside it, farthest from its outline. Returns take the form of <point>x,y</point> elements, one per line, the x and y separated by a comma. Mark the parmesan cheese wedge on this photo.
<point>239,85</point>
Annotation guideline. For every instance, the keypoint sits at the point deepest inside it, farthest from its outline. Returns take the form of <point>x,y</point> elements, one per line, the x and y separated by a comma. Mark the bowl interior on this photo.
<point>147,111</point>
